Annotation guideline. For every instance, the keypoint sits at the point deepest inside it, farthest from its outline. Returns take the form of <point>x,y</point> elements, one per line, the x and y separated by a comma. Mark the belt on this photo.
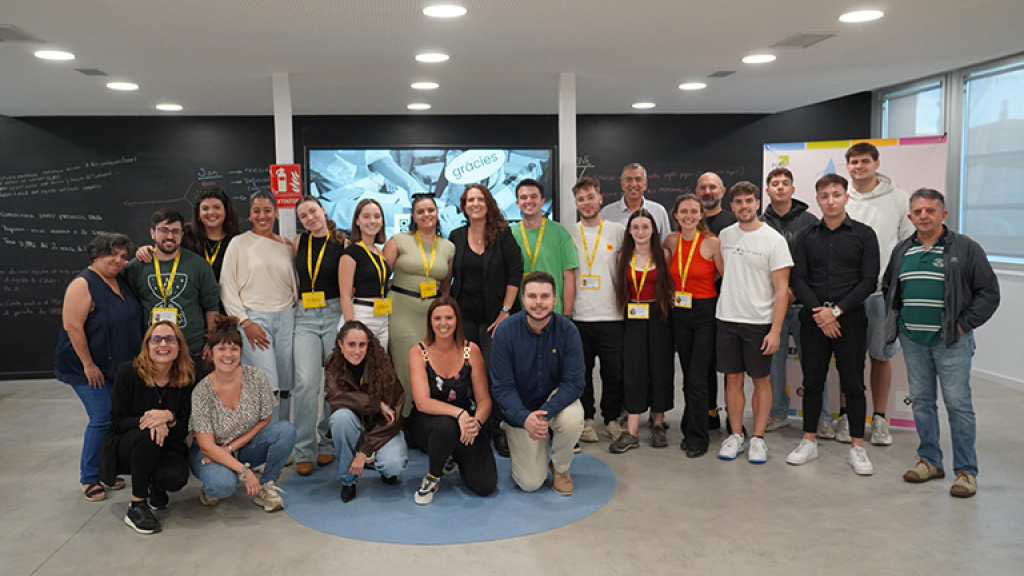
<point>361,302</point>
<point>413,293</point>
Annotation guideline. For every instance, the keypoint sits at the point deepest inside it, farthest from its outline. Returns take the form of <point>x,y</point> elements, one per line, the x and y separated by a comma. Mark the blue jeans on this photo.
<point>951,367</point>
<point>97,406</point>
<point>315,332</point>
<point>271,446</point>
<point>276,361</point>
<point>347,432</point>
<point>780,398</point>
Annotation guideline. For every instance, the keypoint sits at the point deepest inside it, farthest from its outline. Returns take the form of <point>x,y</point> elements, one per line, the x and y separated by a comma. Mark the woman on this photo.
<point>149,412</point>
<point>448,420</point>
<point>422,261</point>
<point>695,263</point>
<point>231,419</point>
<point>257,285</point>
<point>366,398</point>
<point>317,255</point>
<point>643,289</point>
<point>101,329</point>
<point>364,273</point>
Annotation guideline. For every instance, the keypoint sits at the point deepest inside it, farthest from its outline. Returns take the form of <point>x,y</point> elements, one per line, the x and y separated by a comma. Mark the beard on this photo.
<point>710,203</point>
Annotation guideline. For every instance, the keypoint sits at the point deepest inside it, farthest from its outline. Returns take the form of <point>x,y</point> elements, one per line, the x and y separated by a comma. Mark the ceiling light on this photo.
<point>759,59</point>
<point>424,85</point>
<point>692,86</point>
<point>54,55</point>
<point>444,11</point>
<point>418,106</point>
<point>169,107</point>
<point>124,86</point>
<point>861,16</point>
<point>432,57</point>
<point>644,105</point>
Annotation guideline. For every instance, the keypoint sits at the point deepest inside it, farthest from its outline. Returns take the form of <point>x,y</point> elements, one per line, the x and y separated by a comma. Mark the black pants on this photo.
<point>849,350</point>
<point>602,340</point>
<point>693,330</point>
<point>164,468</point>
<point>647,368</point>
<point>438,436</point>
<point>476,332</point>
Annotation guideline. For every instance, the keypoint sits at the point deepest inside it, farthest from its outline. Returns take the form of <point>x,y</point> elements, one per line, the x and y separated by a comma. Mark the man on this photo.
<point>939,287</point>
<point>835,269</point>
<point>877,202</point>
<point>594,311</point>
<point>537,379</point>
<point>788,217</point>
<point>177,285</point>
<point>545,244</point>
<point>633,181</point>
<point>751,309</point>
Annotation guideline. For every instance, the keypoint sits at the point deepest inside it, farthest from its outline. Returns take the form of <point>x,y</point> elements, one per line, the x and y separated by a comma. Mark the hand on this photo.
<point>388,413</point>
<point>536,425</point>
<point>154,418</point>
<point>792,298</point>
<point>257,336</point>
<point>494,326</point>
<point>770,344</point>
<point>468,428</point>
<point>252,483</point>
<point>94,375</point>
<point>144,254</point>
<point>158,434</point>
<point>356,467</point>
<point>826,320</point>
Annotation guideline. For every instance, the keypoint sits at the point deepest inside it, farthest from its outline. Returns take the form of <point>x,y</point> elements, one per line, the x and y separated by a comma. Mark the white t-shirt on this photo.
<point>596,305</point>
<point>748,295</point>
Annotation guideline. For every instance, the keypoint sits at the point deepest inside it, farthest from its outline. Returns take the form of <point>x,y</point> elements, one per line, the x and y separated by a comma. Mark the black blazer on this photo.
<point>503,266</point>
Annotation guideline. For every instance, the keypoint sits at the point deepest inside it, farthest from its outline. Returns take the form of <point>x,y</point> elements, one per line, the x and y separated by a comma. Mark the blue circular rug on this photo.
<point>382,513</point>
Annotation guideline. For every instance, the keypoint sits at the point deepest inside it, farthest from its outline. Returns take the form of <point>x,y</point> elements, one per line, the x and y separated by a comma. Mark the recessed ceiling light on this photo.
<point>444,11</point>
<point>692,86</point>
<point>424,85</point>
<point>759,59</point>
<point>432,57</point>
<point>124,86</point>
<point>54,55</point>
<point>418,106</point>
<point>644,105</point>
<point>169,107</point>
<point>861,16</point>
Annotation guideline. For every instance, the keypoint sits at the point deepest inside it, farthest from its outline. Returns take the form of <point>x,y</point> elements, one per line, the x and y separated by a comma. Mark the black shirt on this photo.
<point>327,277</point>
<point>838,266</point>
<point>471,297</point>
<point>366,280</point>
<point>720,221</point>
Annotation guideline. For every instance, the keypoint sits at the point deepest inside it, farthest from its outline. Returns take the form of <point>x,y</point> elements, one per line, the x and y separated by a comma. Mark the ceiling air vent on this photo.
<point>91,72</point>
<point>803,40</point>
<point>722,74</point>
<point>11,33</point>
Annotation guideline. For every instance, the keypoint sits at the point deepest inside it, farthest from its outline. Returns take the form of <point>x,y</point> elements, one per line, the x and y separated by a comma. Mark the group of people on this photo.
<point>257,349</point>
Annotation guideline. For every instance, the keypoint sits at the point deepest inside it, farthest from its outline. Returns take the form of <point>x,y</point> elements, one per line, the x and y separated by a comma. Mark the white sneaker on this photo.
<point>613,430</point>
<point>880,435</point>
<point>858,458</point>
<point>428,487</point>
<point>826,430</point>
<point>805,451</point>
<point>843,429</point>
<point>269,497</point>
<point>588,434</point>
<point>732,447</point>
<point>758,453</point>
<point>776,423</point>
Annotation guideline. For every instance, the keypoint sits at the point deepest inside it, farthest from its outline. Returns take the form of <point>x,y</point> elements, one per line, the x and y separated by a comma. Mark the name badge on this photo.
<point>590,282</point>
<point>382,306</point>
<point>165,315</point>
<point>313,300</point>
<point>684,300</point>
<point>638,311</point>
<point>428,289</point>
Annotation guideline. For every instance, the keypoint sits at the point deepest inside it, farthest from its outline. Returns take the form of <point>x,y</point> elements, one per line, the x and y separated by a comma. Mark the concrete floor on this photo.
<point>669,515</point>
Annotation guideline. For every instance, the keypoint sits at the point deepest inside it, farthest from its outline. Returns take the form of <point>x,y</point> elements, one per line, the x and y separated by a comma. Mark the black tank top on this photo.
<point>457,390</point>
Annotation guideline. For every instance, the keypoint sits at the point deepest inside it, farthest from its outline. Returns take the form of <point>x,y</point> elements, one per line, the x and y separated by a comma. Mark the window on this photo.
<point>914,111</point>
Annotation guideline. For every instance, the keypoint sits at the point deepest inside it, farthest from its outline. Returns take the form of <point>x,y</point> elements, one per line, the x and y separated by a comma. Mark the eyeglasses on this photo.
<point>164,231</point>
<point>170,339</point>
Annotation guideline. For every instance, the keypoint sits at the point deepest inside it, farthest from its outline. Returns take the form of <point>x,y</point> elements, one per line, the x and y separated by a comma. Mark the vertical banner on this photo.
<point>286,184</point>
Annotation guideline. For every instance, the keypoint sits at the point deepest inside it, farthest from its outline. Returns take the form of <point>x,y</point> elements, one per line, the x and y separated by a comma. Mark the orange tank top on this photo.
<point>700,279</point>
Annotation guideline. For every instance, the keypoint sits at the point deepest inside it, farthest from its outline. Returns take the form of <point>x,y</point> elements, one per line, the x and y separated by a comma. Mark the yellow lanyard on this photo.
<point>211,259</point>
<point>526,243</point>
<point>586,251</point>
<point>679,257</point>
<point>314,272</point>
<point>165,293</point>
<point>632,274</point>
<point>381,268</point>
<point>433,254</point>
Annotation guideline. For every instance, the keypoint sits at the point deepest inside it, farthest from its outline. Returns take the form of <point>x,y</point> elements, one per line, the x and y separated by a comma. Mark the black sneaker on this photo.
<point>501,444</point>
<point>449,467</point>
<point>141,518</point>
<point>658,439</point>
<point>624,442</point>
<point>577,448</point>
<point>158,499</point>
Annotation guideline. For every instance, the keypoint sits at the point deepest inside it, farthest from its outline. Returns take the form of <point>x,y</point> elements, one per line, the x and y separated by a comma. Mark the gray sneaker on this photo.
<point>776,423</point>
<point>624,442</point>
<point>843,429</point>
<point>269,497</point>
<point>658,439</point>
<point>826,430</point>
<point>880,435</point>
<point>589,434</point>
<point>613,430</point>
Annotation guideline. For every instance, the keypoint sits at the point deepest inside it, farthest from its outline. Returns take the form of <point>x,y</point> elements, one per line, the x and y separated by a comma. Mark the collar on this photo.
<point>847,222</point>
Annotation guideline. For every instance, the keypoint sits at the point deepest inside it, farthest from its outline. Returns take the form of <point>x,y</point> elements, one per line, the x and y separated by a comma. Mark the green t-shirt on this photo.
<point>922,291</point>
<point>557,252</point>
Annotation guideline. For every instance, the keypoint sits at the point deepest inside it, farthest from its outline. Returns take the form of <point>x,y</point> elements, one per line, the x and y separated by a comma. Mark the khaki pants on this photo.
<point>529,458</point>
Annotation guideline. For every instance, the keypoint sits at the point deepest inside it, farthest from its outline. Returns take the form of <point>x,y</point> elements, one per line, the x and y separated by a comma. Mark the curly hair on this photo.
<point>182,371</point>
<point>195,231</point>
<point>378,372</point>
<point>663,281</point>
<point>494,220</point>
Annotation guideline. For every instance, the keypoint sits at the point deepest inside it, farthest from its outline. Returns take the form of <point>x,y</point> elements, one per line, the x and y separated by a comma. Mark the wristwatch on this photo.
<point>506,309</point>
<point>836,311</point>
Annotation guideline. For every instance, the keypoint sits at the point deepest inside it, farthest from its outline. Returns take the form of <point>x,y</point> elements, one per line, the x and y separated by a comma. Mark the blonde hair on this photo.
<point>182,371</point>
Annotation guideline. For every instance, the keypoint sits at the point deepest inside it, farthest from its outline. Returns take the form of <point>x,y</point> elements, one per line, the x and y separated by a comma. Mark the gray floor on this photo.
<point>669,515</point>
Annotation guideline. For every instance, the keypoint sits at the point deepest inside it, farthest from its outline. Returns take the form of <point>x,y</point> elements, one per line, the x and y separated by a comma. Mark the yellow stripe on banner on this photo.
<point>828,144</point>
<point>879,142</point>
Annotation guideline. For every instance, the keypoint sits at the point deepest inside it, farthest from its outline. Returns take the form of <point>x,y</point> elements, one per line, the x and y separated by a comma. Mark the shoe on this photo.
<point>880,435</point>
<point>389,480</point>
<point>623,443</point>
<point>428,487</point>
<point>348,492</point>
<point>732,447</point>
<point>843,429</point>
<point>141,519</point>
<point>449,467</point>
<point>923,472</point>
<point>562,481</point>
<point>694,452</point>
<point>207,500</point>
<point>324,459</point>
<point>500,443</point>
<point>613,430</point>
<point>94,492</point>
<point>650,421</point>
<point>158,499</point>
<point>826,430</point>
<point>588,434</point>
<point>658,439</point>
<point>576,448</point>
<point>858,459</point>
<point>269,497</point>
<point>758,453</point>
<point>714,420</point>
<point>805,451</point>
<point>964,486</point>
<point>118,484</point>
<point>776,423</point>
<point>304,468</point>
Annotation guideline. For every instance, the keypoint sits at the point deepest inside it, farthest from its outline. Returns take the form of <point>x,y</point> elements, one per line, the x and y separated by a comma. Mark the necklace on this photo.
<point>161,393</point>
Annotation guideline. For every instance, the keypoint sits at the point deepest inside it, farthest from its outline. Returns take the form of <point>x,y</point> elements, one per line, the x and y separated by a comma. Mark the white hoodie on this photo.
<point>885,209</point>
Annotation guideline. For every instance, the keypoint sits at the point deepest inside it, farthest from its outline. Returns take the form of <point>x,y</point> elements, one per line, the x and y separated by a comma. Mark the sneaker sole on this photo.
<point>423,500</point>
<point>757,461</point>
<point>623,450</point>
<point>726,457</point>
<point>268,507</point>
<point>132,525</point>
<point>919,480</point>
<point>882,441</point>
<point>560,493</point>
<point>862,472</point>
<point>795,463</point>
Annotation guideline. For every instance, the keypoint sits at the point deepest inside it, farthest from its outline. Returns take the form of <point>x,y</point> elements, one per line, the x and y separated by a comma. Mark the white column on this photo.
<point>284,146</point>
<point>566,146</point>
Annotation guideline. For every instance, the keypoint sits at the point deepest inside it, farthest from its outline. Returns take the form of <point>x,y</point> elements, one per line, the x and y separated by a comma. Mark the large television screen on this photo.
<point>341,177</point>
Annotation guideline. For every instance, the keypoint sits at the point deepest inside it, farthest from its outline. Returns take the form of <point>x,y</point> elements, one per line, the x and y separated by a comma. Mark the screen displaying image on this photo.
<point>341,177</point>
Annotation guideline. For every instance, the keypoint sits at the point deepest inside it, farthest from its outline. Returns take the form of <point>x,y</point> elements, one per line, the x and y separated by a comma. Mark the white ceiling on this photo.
<point>216,57</point>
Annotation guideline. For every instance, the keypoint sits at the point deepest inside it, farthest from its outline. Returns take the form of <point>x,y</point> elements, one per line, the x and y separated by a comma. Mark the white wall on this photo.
<point>1000,356</point>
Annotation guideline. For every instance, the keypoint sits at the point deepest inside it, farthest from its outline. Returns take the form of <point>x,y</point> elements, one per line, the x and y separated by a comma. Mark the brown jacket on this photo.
<point>342,391</point>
